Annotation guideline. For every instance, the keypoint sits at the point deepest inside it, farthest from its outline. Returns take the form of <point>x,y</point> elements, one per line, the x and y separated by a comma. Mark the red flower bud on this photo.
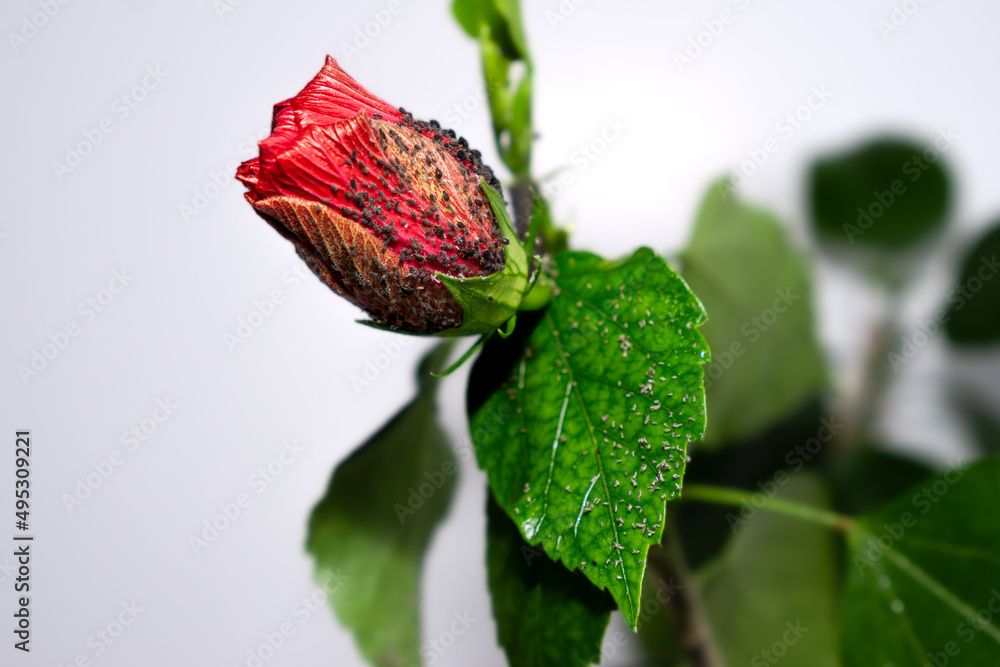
<point>379,205</point>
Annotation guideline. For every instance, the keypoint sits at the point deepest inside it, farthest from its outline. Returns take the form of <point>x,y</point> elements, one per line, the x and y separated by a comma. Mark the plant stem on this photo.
<point>691,622</point>
<point>721,495</point>
<point>877,374</point>
<point>523,202</point>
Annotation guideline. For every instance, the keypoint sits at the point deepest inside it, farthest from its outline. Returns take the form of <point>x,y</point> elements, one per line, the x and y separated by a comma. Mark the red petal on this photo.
<point>330,97</point>
<point>316,160</point>
<point>248,173</point>
<point>333,95</point>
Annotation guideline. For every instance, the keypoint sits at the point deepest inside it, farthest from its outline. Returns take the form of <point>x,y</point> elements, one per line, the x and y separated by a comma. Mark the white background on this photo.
<point>62,237</point>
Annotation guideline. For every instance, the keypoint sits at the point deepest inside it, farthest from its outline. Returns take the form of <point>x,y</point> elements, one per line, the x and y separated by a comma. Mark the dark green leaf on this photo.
<point>510,10</point>
<point>923,583</point>
<point>888,193</point>
<point>866,478</point>
<point>981,419</point>
<point>704,527</point>
<point>974,302</point>
<point>586,441</point>
<point>657,627</point>
<point>546,615</point>
<point>376,521</point>
<point>771,595</point>
<point>766,361</point>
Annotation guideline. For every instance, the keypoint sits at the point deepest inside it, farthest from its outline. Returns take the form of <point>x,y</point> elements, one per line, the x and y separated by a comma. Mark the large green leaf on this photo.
<point>597,415</point>
<point>974,301</point>
<point>376,520</point>
<point>766,361</point>
<point>546,615</point>
<point>888,193</point>
<point>923,583</point>
<point>772,594</point>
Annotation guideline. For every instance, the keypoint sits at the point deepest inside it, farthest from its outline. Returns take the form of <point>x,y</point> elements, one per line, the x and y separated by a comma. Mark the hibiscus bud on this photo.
<point>395,214</point>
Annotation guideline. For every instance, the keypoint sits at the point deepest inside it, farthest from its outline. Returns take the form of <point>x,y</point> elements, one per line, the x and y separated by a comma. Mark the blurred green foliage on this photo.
<point>757,289</point>
<point>905,582</point>
<point>974,304</point>
<point>887,194</point>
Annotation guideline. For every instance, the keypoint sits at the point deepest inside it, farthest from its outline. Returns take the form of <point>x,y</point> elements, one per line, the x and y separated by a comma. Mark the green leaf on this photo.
<point>757,291</point>
<point>923,583</point>
<point>546,615</point>
<point>586,440</point>
<point>974,302</point>
<point>772,595</point>
<point>375,523</point>
<point>511,12</point>
<point>888,193</point>
<point>865,478</point>
<point>501,21</point>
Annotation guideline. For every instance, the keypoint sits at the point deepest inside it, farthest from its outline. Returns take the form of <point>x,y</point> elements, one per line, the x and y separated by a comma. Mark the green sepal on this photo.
<point>490,301</point>
<point>511,323</point>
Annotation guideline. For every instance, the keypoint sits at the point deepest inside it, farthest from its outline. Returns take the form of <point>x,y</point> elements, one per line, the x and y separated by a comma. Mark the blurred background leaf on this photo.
<point>974,304</point>
<point>921,569</point>
<point>887,193</point>
<point>756,287</point>
<point>375,523</point>
<point>865,478</point>
<point>772,594</point>
<point>981,418</point>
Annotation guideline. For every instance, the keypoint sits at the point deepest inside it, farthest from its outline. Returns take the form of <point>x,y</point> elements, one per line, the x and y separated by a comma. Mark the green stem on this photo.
<point>721,495</point>
<point>878,374</point>
<point>523,203</point>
